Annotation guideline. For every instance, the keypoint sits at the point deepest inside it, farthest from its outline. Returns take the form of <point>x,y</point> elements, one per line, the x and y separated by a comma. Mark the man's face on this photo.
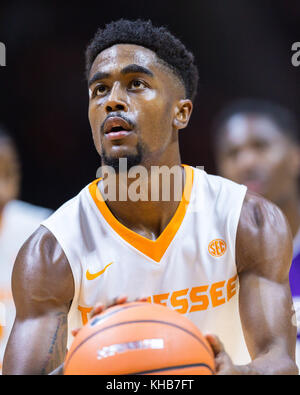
<point>254,152</point>
<point>133,99</point>
<point>9,173</point>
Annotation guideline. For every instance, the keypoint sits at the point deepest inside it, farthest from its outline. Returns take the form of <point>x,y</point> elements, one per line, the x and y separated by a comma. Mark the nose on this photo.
<point>116,100</point>
<point>247,162</point>
<point>247,158</point>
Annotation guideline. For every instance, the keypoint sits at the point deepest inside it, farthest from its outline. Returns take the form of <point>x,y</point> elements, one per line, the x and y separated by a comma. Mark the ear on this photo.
<point>182,114</point>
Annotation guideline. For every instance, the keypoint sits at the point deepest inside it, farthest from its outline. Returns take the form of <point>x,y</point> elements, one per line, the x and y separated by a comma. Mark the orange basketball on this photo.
<point>140,338</point>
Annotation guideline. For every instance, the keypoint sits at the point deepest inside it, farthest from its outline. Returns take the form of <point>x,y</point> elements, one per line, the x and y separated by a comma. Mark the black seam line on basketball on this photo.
<point>109,314</point>
<point>143,321</point>
<point>137,322</point>
<point>174,367</point>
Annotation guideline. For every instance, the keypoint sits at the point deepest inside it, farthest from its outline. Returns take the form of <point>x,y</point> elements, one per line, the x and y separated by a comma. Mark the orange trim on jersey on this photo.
<point>84,313</point>
<point>154,249</point>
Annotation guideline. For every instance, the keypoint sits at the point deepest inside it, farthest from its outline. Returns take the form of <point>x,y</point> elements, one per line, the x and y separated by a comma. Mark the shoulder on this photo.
<point>264,241</point>
<point>41,242</point>
<point>260,215</point>
<point>41,272</point>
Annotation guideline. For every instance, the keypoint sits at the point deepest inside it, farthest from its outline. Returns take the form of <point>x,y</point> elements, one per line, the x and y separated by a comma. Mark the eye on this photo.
<point>260,145</point>
<point>232,153</point>
<point>137,84</point>
<point>100,90</point>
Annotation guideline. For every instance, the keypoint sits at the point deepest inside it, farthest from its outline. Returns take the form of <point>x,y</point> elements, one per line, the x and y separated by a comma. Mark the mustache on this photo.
<point>119,115</point>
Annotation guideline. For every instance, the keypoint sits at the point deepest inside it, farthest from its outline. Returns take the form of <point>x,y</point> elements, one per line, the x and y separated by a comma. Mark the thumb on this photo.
<point>215,344</point>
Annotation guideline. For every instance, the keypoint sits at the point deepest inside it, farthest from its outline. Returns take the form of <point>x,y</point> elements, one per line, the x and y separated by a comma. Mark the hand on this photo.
<point>100,307</point>
<point>224,364</point>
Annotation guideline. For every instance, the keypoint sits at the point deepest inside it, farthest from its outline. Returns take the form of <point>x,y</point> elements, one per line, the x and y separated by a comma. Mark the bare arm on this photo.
<point>264,255</point>
<point>43,289</point>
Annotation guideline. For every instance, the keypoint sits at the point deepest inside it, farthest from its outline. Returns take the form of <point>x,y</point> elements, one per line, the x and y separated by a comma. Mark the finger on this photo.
<point>119,300</point>
<point>100,307</point>
<point>143,299</point>
<point>215,343</point>
<point>97,309</point>
<point>75,331</point>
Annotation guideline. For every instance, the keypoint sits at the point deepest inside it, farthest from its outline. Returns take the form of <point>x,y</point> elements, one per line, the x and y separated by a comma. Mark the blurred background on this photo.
<point>242,48</point>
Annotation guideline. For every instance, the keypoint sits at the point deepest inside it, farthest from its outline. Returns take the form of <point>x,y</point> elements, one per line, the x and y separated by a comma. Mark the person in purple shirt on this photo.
<point>257,143</point>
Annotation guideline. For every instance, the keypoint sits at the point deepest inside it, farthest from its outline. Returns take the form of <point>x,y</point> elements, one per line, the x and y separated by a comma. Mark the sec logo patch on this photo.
<point>217,248</point>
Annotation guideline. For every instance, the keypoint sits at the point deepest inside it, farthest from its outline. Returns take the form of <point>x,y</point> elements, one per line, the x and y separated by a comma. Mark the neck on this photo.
<point>146,197</point>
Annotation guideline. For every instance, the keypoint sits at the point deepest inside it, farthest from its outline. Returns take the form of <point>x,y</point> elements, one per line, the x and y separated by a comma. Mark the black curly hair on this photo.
<point>168,48</point>
<point>284,118</point>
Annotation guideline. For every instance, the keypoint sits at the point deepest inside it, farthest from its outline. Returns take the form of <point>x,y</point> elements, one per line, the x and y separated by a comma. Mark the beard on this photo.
<point>131,159</point>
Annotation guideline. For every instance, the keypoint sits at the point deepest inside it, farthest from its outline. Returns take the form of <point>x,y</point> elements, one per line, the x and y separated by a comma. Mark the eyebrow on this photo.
<point>135,68</point>
<point>130,69</point>
<point>100,75</point>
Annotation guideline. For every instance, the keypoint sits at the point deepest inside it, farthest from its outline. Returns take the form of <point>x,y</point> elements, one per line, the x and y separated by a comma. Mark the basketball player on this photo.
<point>221,255</point>
<point>258,146</point>
<point>18,220</point>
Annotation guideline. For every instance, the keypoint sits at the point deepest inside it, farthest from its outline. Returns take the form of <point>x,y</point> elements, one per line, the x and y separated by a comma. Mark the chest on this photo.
<point>191,265</point>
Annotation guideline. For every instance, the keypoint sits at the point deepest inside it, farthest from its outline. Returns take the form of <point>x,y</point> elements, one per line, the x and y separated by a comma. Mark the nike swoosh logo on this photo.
<point>90,276</point>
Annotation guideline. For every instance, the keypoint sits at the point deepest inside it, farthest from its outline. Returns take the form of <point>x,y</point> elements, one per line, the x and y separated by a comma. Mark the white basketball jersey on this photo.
<point>190,268</point>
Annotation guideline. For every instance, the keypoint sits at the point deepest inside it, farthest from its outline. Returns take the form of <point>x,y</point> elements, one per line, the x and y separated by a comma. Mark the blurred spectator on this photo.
<point>257,144</point>
<point>18,220</point>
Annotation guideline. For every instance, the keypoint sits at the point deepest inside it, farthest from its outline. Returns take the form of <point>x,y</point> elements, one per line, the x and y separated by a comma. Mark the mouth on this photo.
<point>254,184</point>
<point>116,128</point>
